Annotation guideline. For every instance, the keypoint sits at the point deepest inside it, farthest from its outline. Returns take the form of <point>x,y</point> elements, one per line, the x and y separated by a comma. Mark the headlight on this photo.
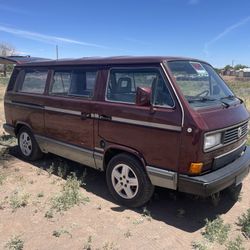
<point>212,140</point>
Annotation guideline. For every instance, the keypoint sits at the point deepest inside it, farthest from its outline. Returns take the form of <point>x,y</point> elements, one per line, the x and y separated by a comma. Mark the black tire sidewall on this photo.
<point>145,189</point>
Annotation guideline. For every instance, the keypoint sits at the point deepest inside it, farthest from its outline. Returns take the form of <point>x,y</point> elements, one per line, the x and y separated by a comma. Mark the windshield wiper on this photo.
<point>204,99</point>
<point>226,105</point>
<point>200,99</point>
<point>230,97</point>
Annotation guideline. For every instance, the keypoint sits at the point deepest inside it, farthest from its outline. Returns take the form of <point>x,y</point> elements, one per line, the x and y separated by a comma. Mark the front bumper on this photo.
<point>207,184</point>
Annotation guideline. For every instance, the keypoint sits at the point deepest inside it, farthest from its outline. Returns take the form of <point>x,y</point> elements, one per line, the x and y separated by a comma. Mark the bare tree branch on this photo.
<point>6,49</point>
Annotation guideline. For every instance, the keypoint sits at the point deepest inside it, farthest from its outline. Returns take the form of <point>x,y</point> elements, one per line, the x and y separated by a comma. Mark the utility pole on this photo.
<point>56,52</point>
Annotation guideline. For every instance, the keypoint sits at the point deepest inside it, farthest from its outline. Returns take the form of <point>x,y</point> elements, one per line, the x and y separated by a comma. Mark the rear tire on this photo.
<point>27,145</point>
<point>127,181</point>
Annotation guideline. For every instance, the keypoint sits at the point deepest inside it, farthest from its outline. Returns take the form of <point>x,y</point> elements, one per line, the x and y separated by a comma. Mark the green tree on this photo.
<point>228,67</point>
<point>239,66</point>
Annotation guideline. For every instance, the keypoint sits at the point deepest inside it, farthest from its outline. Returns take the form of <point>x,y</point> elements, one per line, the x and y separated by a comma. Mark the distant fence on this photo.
<point>243,79</point>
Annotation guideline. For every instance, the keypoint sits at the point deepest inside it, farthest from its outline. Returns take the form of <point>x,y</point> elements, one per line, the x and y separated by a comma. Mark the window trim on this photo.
<point>13,80</point>
<point>22,73</point>
<point>165,69</point>
<point>69,69</point>
<point>159,69</point>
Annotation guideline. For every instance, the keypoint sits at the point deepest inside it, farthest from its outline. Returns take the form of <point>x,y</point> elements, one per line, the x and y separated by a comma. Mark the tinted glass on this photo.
<point>13,79</point>
<point>122,86</point>
<point>34,82</point>
<point>200,84</point>
<point>61,83</point>
<point>74,83</point>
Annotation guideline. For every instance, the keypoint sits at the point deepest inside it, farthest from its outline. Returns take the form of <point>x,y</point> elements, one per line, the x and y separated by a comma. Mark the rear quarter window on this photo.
<point>13,79</point>
<point>33,81</point>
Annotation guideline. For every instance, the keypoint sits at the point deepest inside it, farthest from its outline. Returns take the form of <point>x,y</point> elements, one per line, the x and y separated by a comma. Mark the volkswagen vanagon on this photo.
<point>145,121</point>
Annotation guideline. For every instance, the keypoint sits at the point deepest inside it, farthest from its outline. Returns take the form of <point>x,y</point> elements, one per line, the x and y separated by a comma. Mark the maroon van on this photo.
<point>145,121</point>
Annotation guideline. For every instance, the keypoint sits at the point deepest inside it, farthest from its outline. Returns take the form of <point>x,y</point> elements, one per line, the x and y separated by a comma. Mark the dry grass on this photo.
<point>242,90</point>
<point>4,80</point>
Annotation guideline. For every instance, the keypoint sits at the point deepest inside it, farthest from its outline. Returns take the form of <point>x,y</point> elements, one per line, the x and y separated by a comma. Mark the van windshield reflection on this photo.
<point>200,84</point>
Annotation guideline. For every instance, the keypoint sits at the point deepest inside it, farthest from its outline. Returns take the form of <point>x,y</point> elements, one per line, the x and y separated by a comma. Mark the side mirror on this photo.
<point>143,96</point>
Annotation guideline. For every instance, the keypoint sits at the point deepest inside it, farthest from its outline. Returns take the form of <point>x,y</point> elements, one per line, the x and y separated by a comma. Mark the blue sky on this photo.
<point>217,31</point>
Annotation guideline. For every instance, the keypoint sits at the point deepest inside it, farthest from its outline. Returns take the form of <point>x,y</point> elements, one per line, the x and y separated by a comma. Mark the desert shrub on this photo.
<point>15,243</point>
<point>235,244</point>
<point>69,196</point>
<point>216,231</point>
<point>18,200</point>
<point>244,223</point>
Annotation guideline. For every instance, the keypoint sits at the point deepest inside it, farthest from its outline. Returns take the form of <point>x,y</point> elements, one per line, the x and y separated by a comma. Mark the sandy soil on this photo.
<point>175,220</point>
<point>2,119</point>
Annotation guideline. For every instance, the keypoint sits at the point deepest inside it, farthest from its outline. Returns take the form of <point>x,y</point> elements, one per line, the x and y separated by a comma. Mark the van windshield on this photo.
<point>201,85</point>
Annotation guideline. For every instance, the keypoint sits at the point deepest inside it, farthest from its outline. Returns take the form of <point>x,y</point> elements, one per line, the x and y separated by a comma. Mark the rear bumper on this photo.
<point>9,129</point>
<point>207,184</point>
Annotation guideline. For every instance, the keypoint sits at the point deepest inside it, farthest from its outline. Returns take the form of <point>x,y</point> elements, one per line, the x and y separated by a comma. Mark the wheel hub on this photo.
<point>25,143</point>
<point>125,181</point>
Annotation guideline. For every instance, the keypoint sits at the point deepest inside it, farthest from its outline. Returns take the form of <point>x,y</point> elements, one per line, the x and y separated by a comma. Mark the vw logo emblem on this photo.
<point>239,132</point>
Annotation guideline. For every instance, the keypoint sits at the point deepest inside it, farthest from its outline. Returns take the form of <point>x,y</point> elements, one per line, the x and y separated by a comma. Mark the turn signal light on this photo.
<point>195,167</point>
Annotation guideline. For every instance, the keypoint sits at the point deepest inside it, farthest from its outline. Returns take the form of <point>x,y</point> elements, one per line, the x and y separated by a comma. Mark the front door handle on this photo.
<point>105,117</point>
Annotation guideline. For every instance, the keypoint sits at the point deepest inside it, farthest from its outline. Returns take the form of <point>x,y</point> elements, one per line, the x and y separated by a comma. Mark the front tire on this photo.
<point>127,181</point>
<point>27,145</point>
<point>234,192</point>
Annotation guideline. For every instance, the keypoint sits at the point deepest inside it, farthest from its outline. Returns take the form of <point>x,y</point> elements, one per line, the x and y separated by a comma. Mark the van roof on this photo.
<point>107,60</point>
<point>20,59</point>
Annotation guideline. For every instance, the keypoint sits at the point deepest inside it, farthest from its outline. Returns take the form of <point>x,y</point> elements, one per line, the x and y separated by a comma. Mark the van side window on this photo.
<point>123,83</point>
<point>61,83</point>
<point>73,83</point>
<point>34,82</point>
<point>13,79</point>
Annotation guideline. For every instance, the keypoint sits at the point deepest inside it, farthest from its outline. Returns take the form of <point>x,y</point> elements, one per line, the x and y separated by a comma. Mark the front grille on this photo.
<point>226,159</point>
<point>234,134</point>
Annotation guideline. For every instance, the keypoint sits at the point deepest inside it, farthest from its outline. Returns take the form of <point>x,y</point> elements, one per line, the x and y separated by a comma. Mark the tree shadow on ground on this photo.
<point>180,210</point>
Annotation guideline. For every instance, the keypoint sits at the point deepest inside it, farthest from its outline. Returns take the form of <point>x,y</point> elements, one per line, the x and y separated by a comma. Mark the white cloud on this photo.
<point>22,53</point>
<point>224,33</point>
<point>47,38</point>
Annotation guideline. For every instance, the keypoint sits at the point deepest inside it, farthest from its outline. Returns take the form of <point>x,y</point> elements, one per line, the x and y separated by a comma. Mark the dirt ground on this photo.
<point>170,221</point>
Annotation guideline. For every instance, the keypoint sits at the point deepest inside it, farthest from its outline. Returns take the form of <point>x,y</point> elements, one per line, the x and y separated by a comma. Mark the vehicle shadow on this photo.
<point>180,210</point>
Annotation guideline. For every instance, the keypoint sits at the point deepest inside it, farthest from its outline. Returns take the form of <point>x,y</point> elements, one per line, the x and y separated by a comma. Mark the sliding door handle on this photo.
<point>105,117</point>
